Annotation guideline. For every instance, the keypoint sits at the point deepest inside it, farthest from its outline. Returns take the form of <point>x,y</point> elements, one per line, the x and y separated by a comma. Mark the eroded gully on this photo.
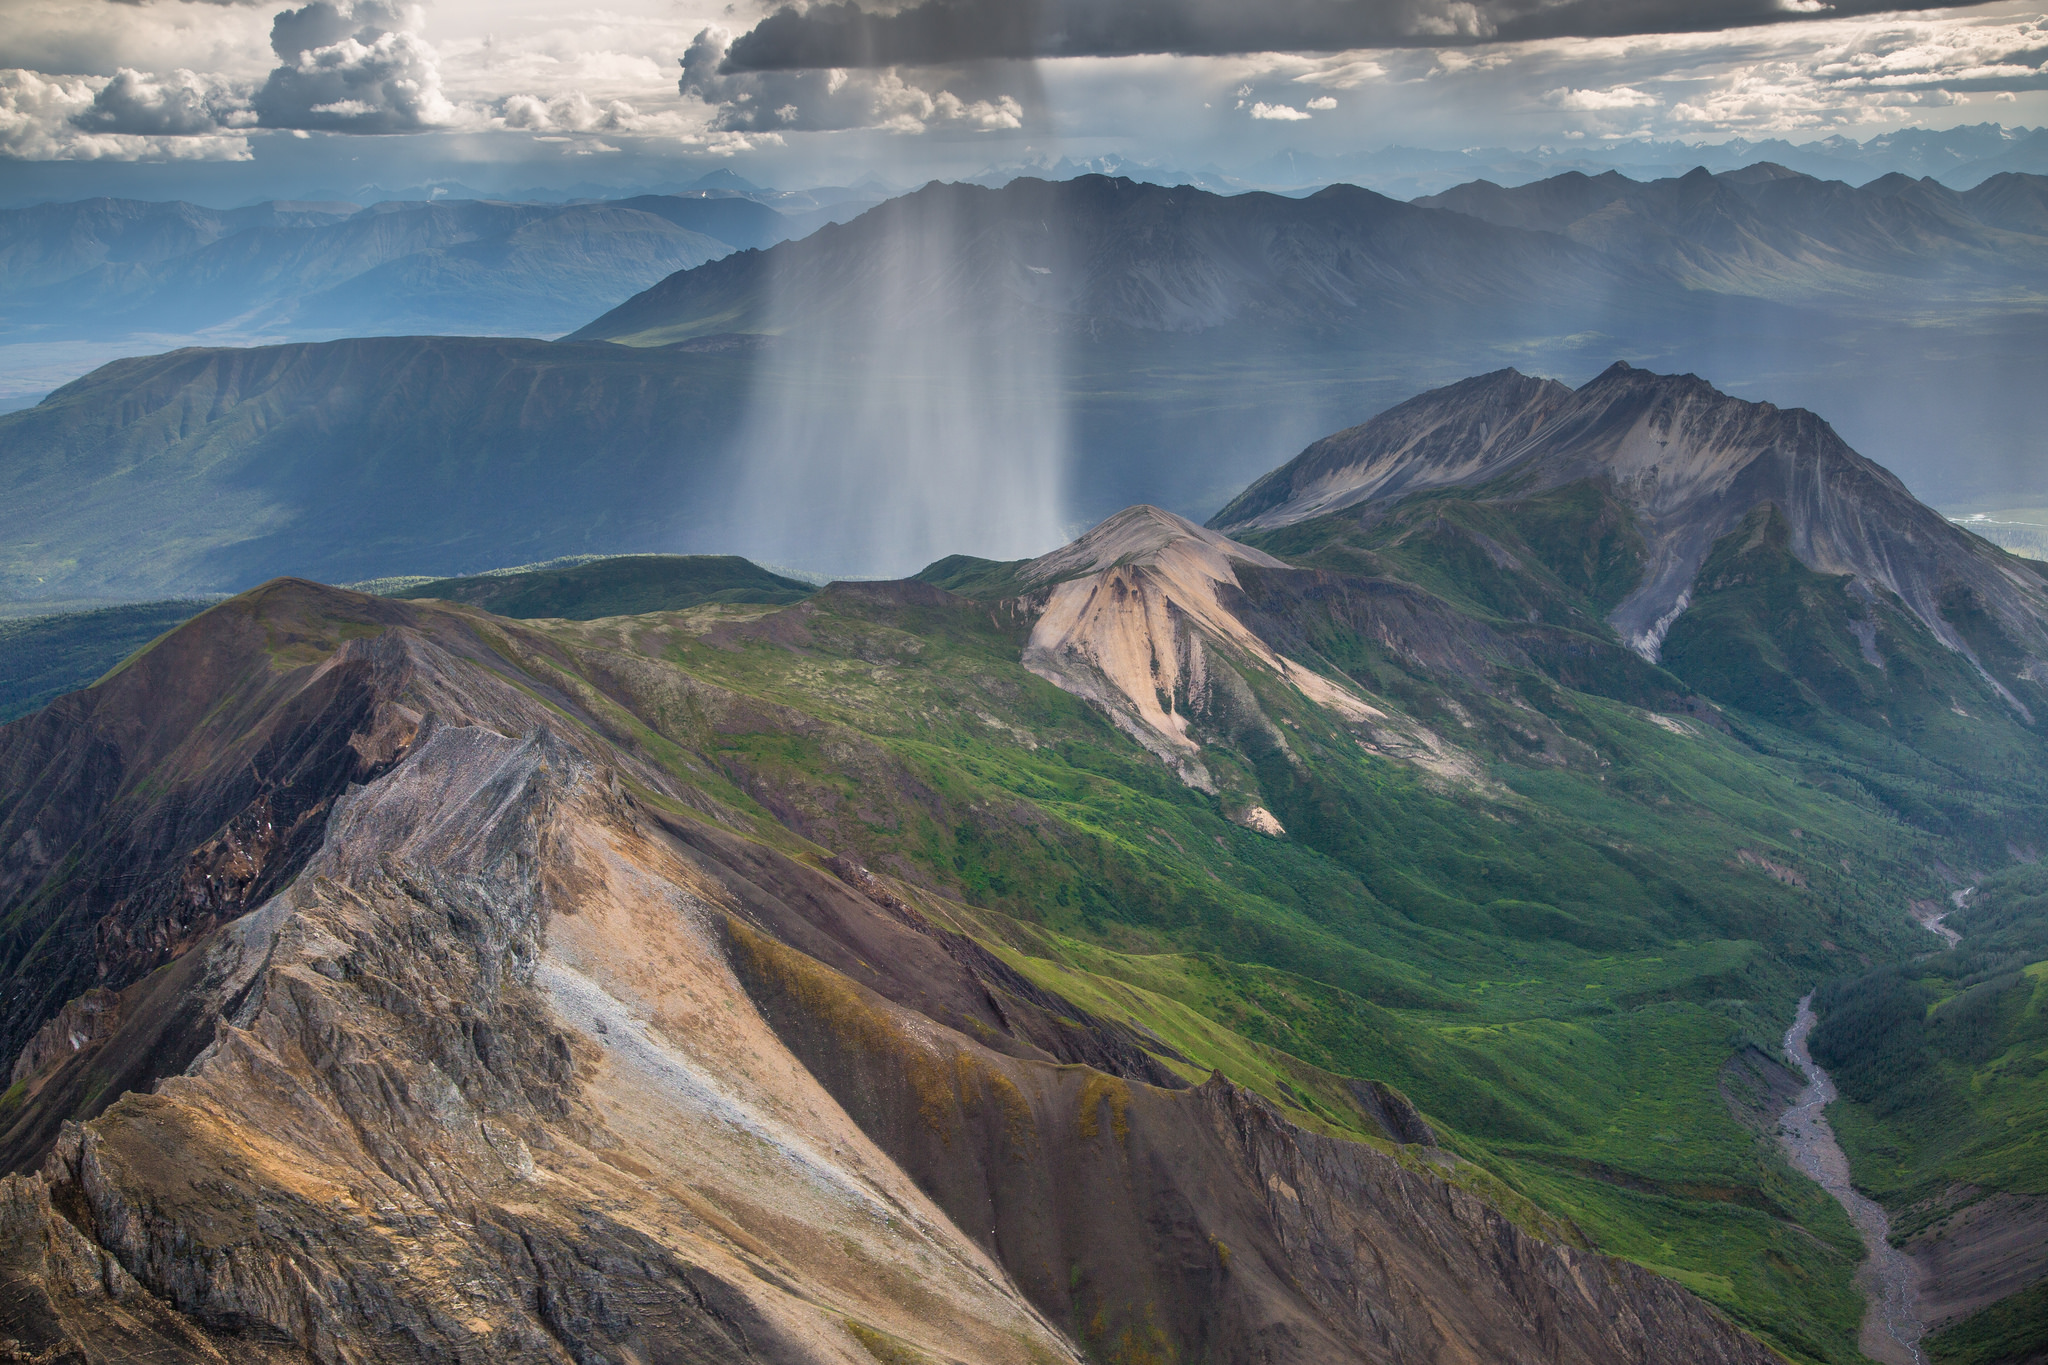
<point>1888,1277</point>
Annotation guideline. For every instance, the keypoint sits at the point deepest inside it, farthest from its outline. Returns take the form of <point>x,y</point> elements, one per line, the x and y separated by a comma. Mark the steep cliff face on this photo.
<point>546,1053</point>
<point>138,816</point>
<point>1690,463</point>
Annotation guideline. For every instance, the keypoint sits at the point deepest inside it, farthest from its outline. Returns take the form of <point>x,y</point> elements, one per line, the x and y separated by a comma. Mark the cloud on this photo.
<point>1954,57</point>
<point>1323,102</point>
<point>63,118</point>
<point>354,68</point>
<point>811,101</point>
<point>1279,112</point>
<point>578,113</point>
<point>1621,97</point>
<point>1873,74</point>
<point>840,34</point>
<point>1347,73</point>
<point>179,105</point>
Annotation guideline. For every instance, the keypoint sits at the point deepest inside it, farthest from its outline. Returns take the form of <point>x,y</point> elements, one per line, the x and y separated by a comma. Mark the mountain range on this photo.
<point>1959,157</point>
<point>1768,230</point>
<point>1182,342</point>
<point>1331,935</point>
<point>1094,252</point>
<point>110,267</point>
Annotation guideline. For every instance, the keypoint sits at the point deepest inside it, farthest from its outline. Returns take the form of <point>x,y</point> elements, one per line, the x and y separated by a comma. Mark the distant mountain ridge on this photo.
<point>1096,251</point>
<point>1959,157</point>
<point>113,266</point>
<point>1100,251</point>
<point>1765,229</point>
<point>1692,464</point>
<point>1192,341</point>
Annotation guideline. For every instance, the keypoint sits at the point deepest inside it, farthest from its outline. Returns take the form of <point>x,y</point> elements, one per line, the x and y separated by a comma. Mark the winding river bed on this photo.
<point>1891,1332</point>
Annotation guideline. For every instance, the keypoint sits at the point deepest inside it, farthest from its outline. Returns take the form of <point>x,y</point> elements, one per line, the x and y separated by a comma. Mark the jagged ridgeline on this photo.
<point>1356,932</point>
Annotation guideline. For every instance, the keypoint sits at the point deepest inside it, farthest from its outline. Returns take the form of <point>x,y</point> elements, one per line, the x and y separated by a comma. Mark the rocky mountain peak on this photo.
<point>1144,535</point>
<point>1142,620</point>
<point>1454,435</point>
<point>1689,462</point>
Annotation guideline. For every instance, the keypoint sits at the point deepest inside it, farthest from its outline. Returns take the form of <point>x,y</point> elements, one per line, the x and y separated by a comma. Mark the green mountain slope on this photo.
<point>42,657</point>
<point>887,836</point>
<point>1557,963</point>
<point>623,585</point>
<point>1943,1068</point>
<point>220,466</point>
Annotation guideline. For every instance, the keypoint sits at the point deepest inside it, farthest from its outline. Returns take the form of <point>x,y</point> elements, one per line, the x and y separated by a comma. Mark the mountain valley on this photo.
<point>1346,932</point>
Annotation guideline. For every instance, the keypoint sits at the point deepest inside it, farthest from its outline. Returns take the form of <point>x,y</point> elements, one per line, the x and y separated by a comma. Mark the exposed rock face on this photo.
<point>1451,435</point>
<point>1988,1246</point>
<point>1147,617</point>
<point>536,1057</point>
<point>138,816</point>
<point>481,1084</point>
<point>1691,462</point>
<point>1124,624</point>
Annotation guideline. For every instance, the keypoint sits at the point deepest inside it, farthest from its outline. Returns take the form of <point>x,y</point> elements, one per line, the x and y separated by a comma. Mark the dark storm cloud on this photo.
<point>941,32</point>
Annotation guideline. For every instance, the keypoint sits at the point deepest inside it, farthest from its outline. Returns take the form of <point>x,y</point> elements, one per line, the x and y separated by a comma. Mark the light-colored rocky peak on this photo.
<point>1665,442</point>
<point>1148,537</point>
<point>1139,621</point>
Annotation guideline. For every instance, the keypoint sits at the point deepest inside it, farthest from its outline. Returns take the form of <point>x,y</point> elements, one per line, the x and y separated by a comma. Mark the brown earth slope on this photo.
<point>522,1048</point>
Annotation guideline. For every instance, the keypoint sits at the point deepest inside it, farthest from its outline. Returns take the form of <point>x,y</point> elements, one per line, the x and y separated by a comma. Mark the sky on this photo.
<point>554,92</point>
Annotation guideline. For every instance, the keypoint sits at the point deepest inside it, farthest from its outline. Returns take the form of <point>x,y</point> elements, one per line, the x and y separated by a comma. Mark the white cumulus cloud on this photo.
<point>358,67</point>
<point>181,104</point>
<point>1621,97</point>
<point>1284,113</point>
<point>64,118</point>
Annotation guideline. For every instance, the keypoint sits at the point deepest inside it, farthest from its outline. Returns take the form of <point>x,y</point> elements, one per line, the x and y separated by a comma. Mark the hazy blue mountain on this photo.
<point>110,267</point>
<point>51,243</point>
<point>1187,342</point>
<point>1958,157</point>
<point>1770,231</point>
<point>1095,252</point>
<point>352,460</point>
